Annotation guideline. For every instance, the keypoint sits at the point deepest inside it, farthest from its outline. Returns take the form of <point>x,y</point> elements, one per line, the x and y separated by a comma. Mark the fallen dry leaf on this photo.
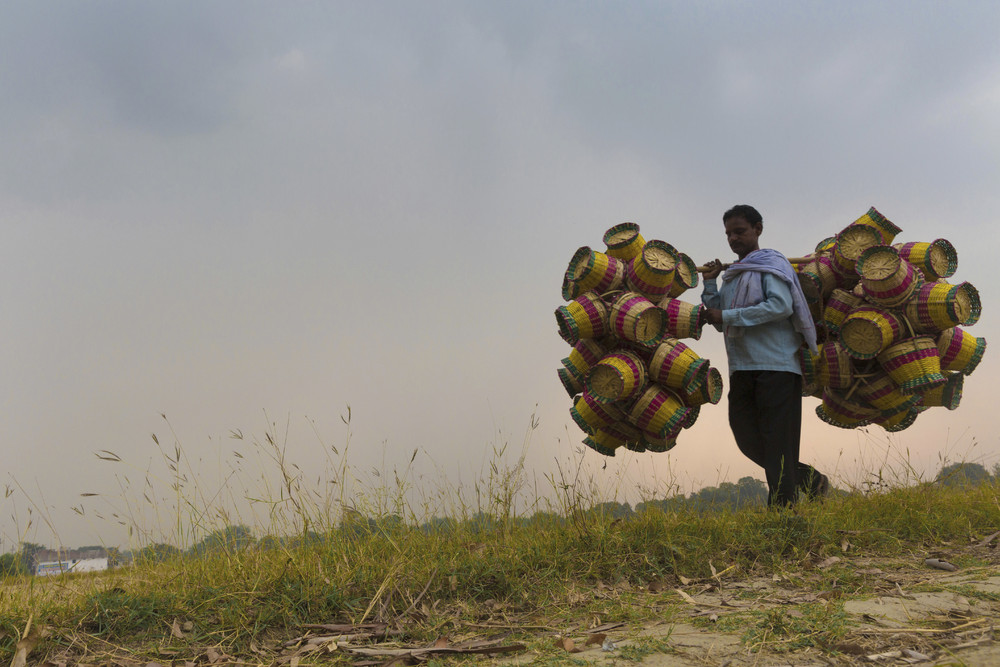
<point>940,564</point>
<point>566,644</point>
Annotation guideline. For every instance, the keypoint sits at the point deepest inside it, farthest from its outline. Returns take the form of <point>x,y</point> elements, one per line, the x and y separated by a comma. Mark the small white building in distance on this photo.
<point>51,567</point>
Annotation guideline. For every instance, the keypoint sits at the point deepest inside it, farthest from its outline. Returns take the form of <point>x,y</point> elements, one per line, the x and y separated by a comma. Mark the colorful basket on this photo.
<point>825,247</point>
<point>590,270</point>
<point>851,242</point>
<point>868,330</point>
<point>833,367</point>
<point>937,259</point>
<point>959,350</point>
<point>881,393</point>
<point>692,416</point>
<point>887,279</point>
<point>618,376</point>
<point>676,366</point>
<point>651,273</point>
<point>937,306</point>
<point>947,395</point>
<point>886,229</point>
<point>604,441</point>
<point>838,305</point>
<point>635,318</point>
<point>572,383</point>
<point>586,316</point>
<point>655,443</point>
<point>583,356</point>
<point>838,411</point>
<point>659,411</point>
<point>624,241</point>
<point>913,364</point>
<point>683,319</point>
<point>631,435</point>
<point>685,276</point>
<point>710,390</point>
<point>818,278</point>
<point>591,414</point>
<point>894,422</point>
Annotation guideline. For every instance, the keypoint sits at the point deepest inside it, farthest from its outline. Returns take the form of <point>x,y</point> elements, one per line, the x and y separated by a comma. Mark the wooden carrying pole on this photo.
<point>791,260</point>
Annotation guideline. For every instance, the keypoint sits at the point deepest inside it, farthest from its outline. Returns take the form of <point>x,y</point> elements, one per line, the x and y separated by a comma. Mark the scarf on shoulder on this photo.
<point>749,290</point>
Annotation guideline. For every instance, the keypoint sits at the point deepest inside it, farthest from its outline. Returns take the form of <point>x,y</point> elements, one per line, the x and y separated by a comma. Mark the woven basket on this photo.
<point>651,273</point>
<point>676,366</point>
<point>867,331</point>
<point>685,276</point>
<point>590,270</point>
<point>710,390</point>
<point>583,356</point>
<point>894,422</point>
<point>838,411</point>
<point>851,242</point>
<point>683,319</point>
<point>572,383</point>
<point>807,363</point>
<point>818,278</point>
<point>825,247</point>
<point>838,305</point>
<point>937,306</point>
<point>886,229</point>
<point>630,434</point>
<point>586,316</point>
<point>618,376</point>
<point>591,414</point>
<point>624,241</point>
<point>959,350</point>
<point>635,318</point>
<point>947,395</point>
<point>913,364</point>
<point>604,441</point>
<point>833,367</point>
<point>692,416</point>
<point>886,278</point>
<point>658,410</point>
<point>655,443</point>
<point>937,259</point>
<point>880,392</point>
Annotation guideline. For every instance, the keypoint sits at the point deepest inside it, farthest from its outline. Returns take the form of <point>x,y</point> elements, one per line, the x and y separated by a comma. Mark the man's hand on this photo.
<point>714,269</point>
<point>712,316</point>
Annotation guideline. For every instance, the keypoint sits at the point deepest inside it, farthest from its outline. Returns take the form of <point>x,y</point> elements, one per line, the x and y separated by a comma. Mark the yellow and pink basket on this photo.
<point>913,364</point>
<point>618,376</point>
<point>586,316</point>
<point>659,411</point>
<point>959,350</point>
<point>651,272</point>
<point>676,366</point>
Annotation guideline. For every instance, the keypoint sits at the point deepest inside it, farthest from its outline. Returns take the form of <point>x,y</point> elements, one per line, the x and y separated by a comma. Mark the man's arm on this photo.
<point>777,305</point>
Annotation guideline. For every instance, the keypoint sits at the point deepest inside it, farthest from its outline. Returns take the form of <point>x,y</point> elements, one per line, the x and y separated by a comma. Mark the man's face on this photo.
<point>742,236</point>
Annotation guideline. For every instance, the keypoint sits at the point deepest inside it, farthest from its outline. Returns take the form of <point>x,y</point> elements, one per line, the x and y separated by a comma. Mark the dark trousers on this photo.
<point>765,414</point>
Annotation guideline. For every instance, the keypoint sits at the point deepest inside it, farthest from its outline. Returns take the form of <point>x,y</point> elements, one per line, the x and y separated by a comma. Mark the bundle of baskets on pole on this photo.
<point>633,382</point>
<point>896,340</point>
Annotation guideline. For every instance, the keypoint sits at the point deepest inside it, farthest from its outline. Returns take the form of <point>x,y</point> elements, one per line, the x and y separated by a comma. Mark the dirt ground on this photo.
<point>919,615</point>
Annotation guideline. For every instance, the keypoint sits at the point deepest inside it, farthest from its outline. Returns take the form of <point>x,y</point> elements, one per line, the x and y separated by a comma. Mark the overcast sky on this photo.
<point>244,214</point>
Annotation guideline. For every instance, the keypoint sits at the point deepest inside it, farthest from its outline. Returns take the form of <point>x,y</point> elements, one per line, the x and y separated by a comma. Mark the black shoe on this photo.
<point>822,487</point>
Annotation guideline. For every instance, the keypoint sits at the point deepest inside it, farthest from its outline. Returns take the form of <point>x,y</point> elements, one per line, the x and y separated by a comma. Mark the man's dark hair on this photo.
<point>745,211</point>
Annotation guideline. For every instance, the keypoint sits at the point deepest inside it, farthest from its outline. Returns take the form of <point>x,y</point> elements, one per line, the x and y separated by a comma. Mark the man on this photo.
<point>764,316</point>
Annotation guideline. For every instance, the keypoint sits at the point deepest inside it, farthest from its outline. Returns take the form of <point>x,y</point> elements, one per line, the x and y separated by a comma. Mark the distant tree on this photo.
<point>11,565</point>
<point>613,510</point>
<point>230,538</point>
<point>28,552</point>
<point>963,474</point>
<point>156,553</point>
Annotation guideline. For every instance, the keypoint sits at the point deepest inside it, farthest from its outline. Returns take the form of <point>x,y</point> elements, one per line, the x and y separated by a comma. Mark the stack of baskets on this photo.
<point>896,339</point>
<point>634,384</point>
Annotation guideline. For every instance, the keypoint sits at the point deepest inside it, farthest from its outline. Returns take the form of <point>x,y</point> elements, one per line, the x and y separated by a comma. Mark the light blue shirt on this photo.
<point>769,341</point>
